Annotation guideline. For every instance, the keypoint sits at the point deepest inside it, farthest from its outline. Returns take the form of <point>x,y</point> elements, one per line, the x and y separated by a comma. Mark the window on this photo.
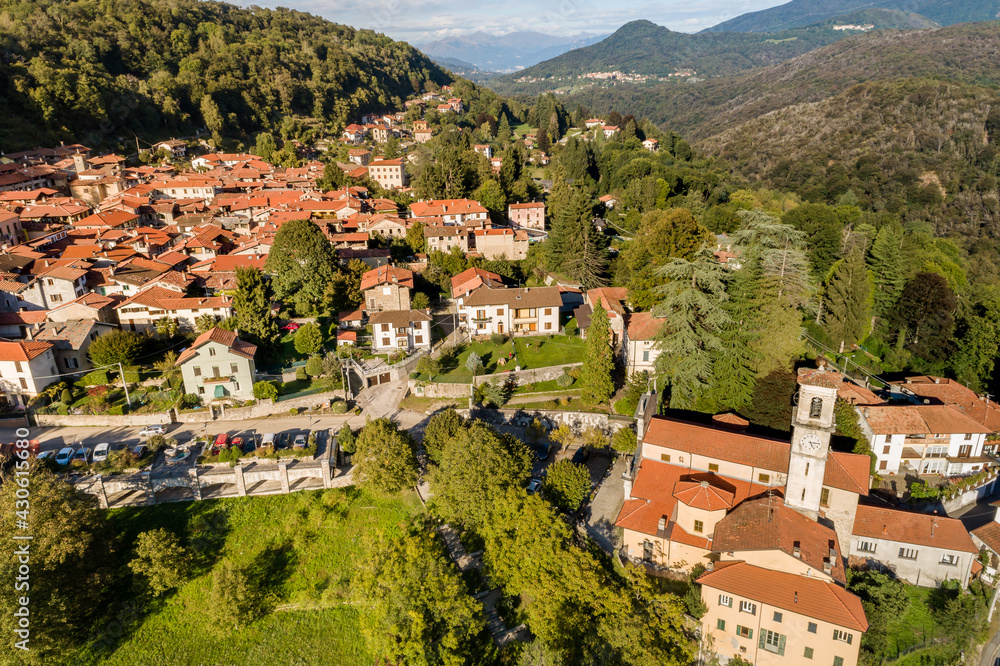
<point>385,328</point>
<point>215,371</point>
<point>843,636</point>
<point>725,600</point>
<point>418,339</point>
<point>886,449</point>
<point>907,553</point>
<point>645,356</point>
<point>713,467</point>
<point>56,298</point>
<point>201,390</point>
<point>812,627</point>
<point>764,478</point>
<point>883,464</point>
<point>548,312</point>
<point>233,368</point>
<point>720,624</point>
<point>815,408</point>
<point>72,363</point>
<point>744,632</point>
<point>197,371</point>
<point>699,526</point>
<point>385,342</point>
<point>808,654</point>
<point>748,607</point>
<point>949,559</point>
<point>866,546</point>
<point>777,616</point>
<point>968,435</point>
<point>838,661</point>
<point>824,497</point>
<point>499,312</point>
<point>236,386</point>
<point>17,366</point>
<point>211,351</point>
<point>665,457</point>
<point>647,551</point>
<point>772,641</point>
<point>548,326</point>
<point>24,384</point>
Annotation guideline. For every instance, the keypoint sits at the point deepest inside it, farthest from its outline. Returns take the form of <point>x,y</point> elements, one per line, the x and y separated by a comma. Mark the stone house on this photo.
<point>387,288</point>
<point>218,366</point>
<point>501,243</point>
<point>71,341</point>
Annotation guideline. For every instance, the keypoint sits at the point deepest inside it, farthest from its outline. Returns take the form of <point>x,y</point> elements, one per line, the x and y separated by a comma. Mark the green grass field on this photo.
<point>304,547</point>
<point>552,350</point>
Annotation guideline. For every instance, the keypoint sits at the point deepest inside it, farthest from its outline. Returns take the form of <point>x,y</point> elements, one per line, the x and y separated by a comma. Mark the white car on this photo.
<point>65,455</point>
<point>101,452</point>
<point>149,431</point>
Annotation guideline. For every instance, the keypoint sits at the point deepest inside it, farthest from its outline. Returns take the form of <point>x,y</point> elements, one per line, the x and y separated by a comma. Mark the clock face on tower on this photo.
<point>810,442</point>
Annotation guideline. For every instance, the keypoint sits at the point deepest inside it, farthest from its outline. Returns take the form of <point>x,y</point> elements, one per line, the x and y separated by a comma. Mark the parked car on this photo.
<point>300,442</point>
<point>236,443</point>
<point>290,326</point>
<point>118,446</point>
<point>268,440</point>
<point>581,455</point>
<point>249,444</point>
<point>101,452</point>
<point>283,440</point>
<point>139,450</point>
<point>151,430</point>
<point>83,455</point>
<point>221,441</point>
<point>65,455</point>
<point>45,455</point>
<point>534,486</point>
<point>542,453</point>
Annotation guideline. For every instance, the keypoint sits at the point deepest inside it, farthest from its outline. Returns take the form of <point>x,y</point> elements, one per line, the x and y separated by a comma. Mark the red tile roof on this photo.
<point>223,337</point>
<point>920,419</point>
<point>989,534</point>
<point>643,325</point>
<point>803,595</point>
<point>702,495</point>
<point>919,529</point>
<point>386,275</point>
<point>950,392</point>
<point>22,350</point>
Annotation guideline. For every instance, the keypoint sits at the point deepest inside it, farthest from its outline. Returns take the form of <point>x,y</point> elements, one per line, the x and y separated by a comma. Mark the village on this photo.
<point>96,243</point>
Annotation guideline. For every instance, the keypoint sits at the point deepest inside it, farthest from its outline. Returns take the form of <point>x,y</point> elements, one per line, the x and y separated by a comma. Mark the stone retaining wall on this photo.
<point>128,420</point>
<point>577,421</point>
<point>452,390</point>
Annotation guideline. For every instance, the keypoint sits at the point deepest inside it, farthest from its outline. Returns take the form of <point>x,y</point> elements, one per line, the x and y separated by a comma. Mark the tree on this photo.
<point>384,460</point>
<point>624,441</point>
<point>978,342</point>
<point>415,606</point>
<point>234,599</point>
<point>266,147</point>
<point>265,390</point>
<point>567,484</point>
<point>415,237</point>
<point>474,363</point>
<point>420,301</point>
<point>491,195</point>
<point>886,264</point>
<point>662,235</point>
<point>885,601</point>
<point>252,308</point>
<point>116,346</point>
<point>308,339</point>
<point>692,308</point>
<point>301,263</point>
<point>503,132</point>
<point>69,562</point>
<point>735,365</point>
<point>314,366</point>
<point>923,316</point>
<point>823,229</point>
<point>430,366</point>
<point>160,559</point>
<point>596,384</point>
<point>346,439</point>
<point>167,326</point>
<point>466,486</point>
<point>849,300</point>
<point>441,429</point>
<point>205,322</point>
<point>575,246</point>
<point>332,364</point>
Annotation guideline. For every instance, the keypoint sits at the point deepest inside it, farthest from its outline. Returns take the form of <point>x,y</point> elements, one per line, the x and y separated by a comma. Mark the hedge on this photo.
<point>131,374</point>
<point>95,378</point>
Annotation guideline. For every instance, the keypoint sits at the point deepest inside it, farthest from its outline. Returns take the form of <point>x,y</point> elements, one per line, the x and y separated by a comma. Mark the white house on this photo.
<point>400,329</point>
<point>929,439</point>
<point>26,368</point>
<point>638,342</point>
<point>140,312</point>
<point>218,365</point>
<point>529,311</point>
<point>921,549</point>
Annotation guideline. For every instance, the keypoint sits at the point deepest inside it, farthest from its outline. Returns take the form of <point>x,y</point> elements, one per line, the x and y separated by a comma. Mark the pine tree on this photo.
<point>596,383</point>
<point>692,305</point>
<point>886,263</point>
<point>575,246</point>
<point>735,366</point>
<point>503,133</point>
<point>849,299</point>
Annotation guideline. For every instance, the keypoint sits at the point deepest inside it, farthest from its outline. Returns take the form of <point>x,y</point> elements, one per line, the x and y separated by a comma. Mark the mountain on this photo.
<point>650,50</point>
<point>506,53</point>
<point>965,53</point>
<point>808,12</point>
<point>881,19</point>
<point>466,70</point>
<point>73,70</point>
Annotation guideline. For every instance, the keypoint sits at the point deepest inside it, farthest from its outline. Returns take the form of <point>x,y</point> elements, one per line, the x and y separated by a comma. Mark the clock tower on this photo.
<point>812,426</point>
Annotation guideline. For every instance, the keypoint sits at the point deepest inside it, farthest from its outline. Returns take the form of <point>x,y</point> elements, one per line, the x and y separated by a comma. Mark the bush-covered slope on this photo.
<point>93,70</point>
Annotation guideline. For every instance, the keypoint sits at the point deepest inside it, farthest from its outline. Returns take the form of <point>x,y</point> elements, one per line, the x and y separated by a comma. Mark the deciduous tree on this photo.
<point>160,559</point>
<point>116,346</point>
<point>384,460</point>
<point>567,484</point>
<point>301,263</point>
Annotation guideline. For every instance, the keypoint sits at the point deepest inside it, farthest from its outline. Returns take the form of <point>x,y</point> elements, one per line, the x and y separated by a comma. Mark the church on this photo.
<point>767,518</point>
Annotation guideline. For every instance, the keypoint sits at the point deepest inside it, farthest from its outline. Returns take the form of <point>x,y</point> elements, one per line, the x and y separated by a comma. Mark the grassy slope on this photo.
<point>557,351</point>
<point>304,544</point>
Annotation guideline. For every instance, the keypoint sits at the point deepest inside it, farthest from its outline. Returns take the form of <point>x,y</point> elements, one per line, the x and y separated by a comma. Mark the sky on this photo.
<point>422,21</point>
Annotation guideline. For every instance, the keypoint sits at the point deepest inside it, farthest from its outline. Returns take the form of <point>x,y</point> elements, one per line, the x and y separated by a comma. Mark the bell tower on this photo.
<point>812,426</point>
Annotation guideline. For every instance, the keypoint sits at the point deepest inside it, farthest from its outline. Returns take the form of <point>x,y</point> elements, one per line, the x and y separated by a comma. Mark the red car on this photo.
<point>290,326</point>
<point>220,442</point>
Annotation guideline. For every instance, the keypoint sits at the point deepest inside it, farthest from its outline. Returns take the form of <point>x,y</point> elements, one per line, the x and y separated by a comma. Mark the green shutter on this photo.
<point>720,624</point>
<point>760,643</point>
<point>781,645</point>
<point>850,637</point>
<point>838,661</point>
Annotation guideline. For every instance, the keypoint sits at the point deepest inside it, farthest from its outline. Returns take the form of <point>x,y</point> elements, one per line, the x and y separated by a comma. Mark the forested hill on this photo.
<point>965,53</point>
<point>808,12</point>
<point>95,70</point>
<point>642,47</point>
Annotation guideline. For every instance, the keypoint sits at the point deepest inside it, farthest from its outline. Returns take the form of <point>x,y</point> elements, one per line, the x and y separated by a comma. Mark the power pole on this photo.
<point>124,383</point>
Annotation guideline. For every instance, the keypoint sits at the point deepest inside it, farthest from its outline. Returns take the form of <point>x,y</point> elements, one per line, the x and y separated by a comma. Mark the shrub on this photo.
<point>314,367</point>
<point>131,374</point>
<point>95,378</point>
<point>564,381</point>
<point>294,411</point>
<point>498,339</point>
<point>67,396</point>
<point>339,407</point>
<point>63,410</point>
<point>97,390</point>
<point>574,372</point>
<point>567,484</point>
<point>571,329</point>
<point>117,410</point>
<point>265,390</point>
<point>300,373</point>
<point>421,301</point>
<point>190,401</point>
<point>308,339</point>
<point>624,441</point>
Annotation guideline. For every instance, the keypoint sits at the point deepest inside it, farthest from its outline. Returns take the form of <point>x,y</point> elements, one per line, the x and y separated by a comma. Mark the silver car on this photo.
<point>101,452</point>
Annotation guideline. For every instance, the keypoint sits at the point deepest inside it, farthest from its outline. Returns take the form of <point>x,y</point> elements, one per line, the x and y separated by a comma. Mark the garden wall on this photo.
<point>157,418</point>
<point>435,390</point>
<point>529,376</point>
<point>577,421</point>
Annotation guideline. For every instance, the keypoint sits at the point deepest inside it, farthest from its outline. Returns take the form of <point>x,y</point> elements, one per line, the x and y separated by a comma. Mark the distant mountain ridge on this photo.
<point>506,53</point>
<point>798,13</point>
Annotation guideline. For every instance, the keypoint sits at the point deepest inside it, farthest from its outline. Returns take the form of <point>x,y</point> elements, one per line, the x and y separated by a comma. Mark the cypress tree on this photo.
<point>690,340</point>
<point>849,299</point>
<point>503,132</point>
<point>595,378</point>
<point>886,263</point>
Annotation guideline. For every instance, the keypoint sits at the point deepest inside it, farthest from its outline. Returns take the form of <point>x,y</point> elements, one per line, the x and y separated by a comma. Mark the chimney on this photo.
<point>927,401</point>
<point>796,598</point>
<point>909,380</point>
<point>797,549</point>
<point>827,566</point>
<point>866,412</point>
<point>937,380</point>
<point>662,525</point>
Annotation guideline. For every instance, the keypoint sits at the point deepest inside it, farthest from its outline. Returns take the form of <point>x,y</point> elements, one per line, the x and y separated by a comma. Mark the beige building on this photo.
<point>71,341</point>
<point>530,311</point>
<point>387,288</point>
<point>400,330</point>
<point>140,312</point>
<point>443,238</point>
<point>390,174</point>
<point>639,350</point>
<point>527,215</point>
<point>775,617</point>
<point>218,366</point>
<point>500,243</point>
